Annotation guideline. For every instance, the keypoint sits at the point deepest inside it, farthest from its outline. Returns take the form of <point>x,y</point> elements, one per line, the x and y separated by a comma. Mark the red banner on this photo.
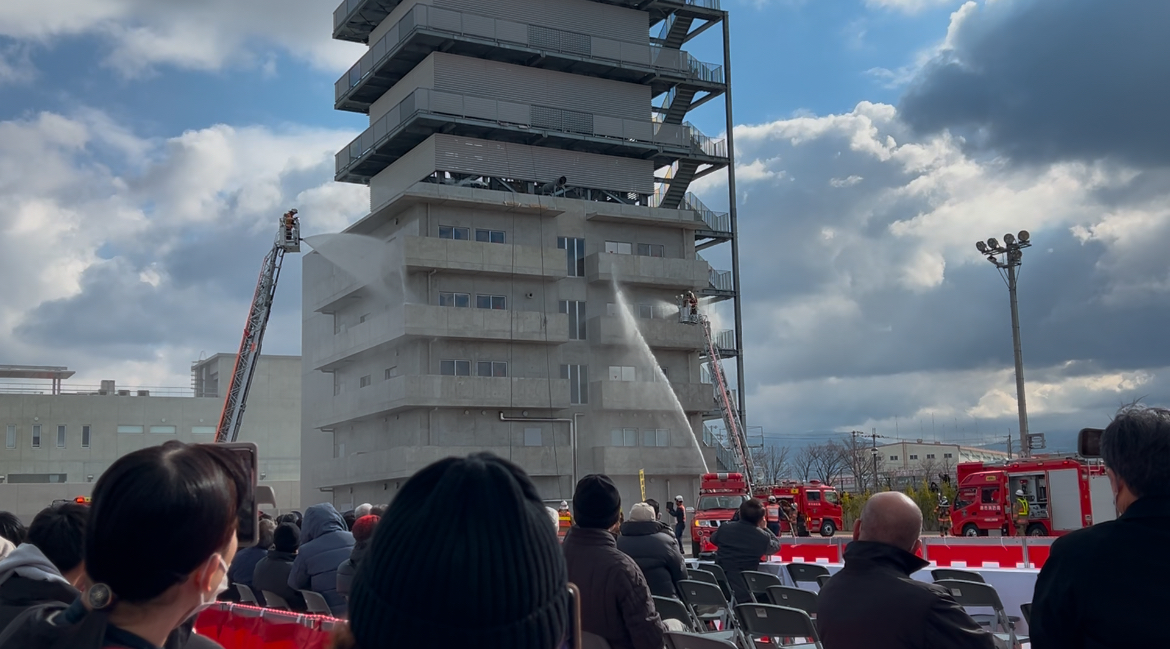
<point>246,627</point>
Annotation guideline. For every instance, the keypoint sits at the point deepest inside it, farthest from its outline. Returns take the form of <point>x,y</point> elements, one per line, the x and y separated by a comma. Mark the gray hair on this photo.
<point>1136,446</point>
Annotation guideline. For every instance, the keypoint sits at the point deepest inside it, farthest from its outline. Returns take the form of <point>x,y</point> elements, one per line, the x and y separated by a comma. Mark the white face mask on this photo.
<point>206,600</point>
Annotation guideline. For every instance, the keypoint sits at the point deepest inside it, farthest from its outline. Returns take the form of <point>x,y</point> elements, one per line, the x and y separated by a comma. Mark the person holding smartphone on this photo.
<point>446,570</point>
<point>161,534</point>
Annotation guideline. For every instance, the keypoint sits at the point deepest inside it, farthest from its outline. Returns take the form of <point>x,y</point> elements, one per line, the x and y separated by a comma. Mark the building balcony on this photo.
<point>684,218</point>
<point>425,112</point>
<point>673,460</point>
<point>431,391</point>
<point>657,272</point>
<point>353,20</point>
<point>426,29</point>
<point>401,462</point>
<point>424,254</point>
<point>384,330</point>
<point>649,395</point>
<point>658,333</point>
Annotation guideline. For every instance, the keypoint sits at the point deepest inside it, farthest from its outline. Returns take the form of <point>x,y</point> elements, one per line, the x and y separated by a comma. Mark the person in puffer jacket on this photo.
<point>363,531</point>
<point>325,543</point>
<point>652,545</point>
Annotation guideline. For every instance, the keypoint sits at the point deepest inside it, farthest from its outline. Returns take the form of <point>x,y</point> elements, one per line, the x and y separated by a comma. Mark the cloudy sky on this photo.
<point>146,147</point>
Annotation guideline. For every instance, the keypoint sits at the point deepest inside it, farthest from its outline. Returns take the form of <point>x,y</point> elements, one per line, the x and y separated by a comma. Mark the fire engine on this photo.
<point>720,495</point>
<point>1063,494</point>
<point>816,500</point>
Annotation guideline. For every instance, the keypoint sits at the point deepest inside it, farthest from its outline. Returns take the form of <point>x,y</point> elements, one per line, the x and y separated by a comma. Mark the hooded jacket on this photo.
<point>874,603</point>
<point>615,600</point>
<point>348,568</point>
<point>652,545</point>
<point>272,573</point>
<point>28,578</point>
<point>325,543</point>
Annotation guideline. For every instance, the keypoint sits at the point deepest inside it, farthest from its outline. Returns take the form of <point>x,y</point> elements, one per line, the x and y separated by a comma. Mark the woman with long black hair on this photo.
<point>161,535</point>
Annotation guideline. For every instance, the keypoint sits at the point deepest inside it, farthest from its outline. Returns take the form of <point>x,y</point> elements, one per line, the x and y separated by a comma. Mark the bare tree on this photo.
<point>805,462</point>
<point>859,459</point>
<point>829,460</point>
<point>772,463</point>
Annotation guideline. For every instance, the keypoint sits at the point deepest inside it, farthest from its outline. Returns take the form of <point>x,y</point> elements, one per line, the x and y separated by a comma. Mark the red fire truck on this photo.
<point>720,495</point>
<point>1063,494</point>
<point>816,500</point>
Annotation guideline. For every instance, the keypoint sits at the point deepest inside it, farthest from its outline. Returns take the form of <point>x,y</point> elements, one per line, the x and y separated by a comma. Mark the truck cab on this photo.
<point>720,495</point>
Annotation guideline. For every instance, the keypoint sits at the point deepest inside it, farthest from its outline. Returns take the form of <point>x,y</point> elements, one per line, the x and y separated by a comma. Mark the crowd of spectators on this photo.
<point>109,575</point>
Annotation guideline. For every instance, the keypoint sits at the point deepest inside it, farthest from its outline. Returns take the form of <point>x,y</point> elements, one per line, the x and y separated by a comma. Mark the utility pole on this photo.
<point>875,456</point>
<point>1007,259</point>
<point>1009,440</point>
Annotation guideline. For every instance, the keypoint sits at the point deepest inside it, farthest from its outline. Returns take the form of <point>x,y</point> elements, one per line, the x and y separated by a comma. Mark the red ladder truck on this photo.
<point>1063,494</point>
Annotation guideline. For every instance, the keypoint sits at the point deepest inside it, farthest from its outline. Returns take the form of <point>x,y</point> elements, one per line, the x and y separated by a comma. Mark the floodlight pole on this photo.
<point>1025,449</point>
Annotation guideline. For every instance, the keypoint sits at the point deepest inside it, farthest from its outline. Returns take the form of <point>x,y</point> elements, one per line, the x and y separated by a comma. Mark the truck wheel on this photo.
<point>1036,529</point>
<point>970,530</point>
<point>828,528</point>
<point>695,549</point>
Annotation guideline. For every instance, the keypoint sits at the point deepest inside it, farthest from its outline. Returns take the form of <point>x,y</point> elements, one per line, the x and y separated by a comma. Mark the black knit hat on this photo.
<point>596,502</point>
<point>464,557</point>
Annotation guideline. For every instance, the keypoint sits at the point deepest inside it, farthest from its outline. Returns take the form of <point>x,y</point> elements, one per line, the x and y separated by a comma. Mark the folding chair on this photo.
<point>720,577</point>
<point>974,594</point>
<point>822,580</point>
<point>707,577</point>
<point>805,600</point>
<point>939,574</point>
<point>1026,609</point>
<point>675,640</point>
<point>706,602</point>
<point>672,609</point>
<point>758,583</point>
<point>316,604</point>
<point>768,621</point>
<point>247,596</point>
<point>275,601</point>
<point>805,572</point>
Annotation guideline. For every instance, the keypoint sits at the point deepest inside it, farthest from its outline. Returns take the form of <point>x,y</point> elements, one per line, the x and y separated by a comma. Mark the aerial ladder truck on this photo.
<point>288,239</point>
<point>688,313</point>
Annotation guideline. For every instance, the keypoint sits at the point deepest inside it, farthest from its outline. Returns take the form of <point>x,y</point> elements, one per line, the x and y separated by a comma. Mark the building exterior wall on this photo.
<point>272,421</point>
<point>409,365</point>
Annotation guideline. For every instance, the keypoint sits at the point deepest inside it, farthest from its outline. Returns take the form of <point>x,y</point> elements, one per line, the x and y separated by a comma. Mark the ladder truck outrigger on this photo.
<point>288,239</point>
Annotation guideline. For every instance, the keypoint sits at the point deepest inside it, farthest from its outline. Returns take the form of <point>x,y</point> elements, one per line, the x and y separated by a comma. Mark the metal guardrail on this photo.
<point>425,100</point>
<point>558,40</point>
<point>717,221</point>
<point>725,339</point>
<point>343,11</point>
<point>721,280</point>
<point>84,389</point>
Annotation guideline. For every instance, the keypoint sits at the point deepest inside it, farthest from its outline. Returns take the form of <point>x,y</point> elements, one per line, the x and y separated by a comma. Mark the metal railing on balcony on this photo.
<point>717,221</point>
<point>724,339</point>
<point>507,31</point>
<point>720,280</point>
<point>505,113</point>
<point>713,438</point>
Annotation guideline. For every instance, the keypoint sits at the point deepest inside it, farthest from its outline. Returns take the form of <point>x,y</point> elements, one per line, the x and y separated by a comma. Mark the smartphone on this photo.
<point>574,638</point>
<point>1089,442</point>
<point>247,526</point>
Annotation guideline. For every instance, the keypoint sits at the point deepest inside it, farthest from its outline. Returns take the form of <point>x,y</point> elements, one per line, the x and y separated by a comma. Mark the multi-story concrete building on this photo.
<point>60,437</point>
<point>528,164</point>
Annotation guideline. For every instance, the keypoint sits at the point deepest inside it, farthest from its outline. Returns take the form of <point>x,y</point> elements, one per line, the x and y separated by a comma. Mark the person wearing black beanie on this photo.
<point>494,557</point>
<point>615,599</point>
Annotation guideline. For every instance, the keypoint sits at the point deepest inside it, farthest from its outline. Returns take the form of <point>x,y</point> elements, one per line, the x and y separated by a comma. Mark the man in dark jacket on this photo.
<point>615,600</point>
<point>48,567</point>
<point>678,510</point>
<point>271,573</point>
<point>740,544</point>
<point>651,544</point>
<point>874,603</point>
<point>244,563</point>
<point>1103,586</point>
<point>325,543</point>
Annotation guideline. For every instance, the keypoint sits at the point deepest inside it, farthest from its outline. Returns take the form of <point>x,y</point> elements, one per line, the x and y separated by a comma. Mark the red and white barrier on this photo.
<point>946,552</point>
<point>237,626</point>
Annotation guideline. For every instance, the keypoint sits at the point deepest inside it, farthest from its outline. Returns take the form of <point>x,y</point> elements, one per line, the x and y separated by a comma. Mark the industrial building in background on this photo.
<point>59,437</point>
<point>529,163</point>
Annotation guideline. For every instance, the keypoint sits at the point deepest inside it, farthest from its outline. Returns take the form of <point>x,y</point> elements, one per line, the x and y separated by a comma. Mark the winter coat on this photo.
<point>325,543</point>
<point>740,545</point>
<point>348,569</point>
<point>615,600</point>
<point>1094,591</point>
<point>244,564</point>
<point>652,546</point>
<point>27,579</point>
<point>874,603</point>
<point>57,626</point>
<point>272,573</point>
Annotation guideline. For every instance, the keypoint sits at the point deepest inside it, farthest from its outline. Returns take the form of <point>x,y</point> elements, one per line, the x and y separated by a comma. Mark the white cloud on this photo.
<point>131,255</point>
<point>908,6</point>
<point>206,35</point>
